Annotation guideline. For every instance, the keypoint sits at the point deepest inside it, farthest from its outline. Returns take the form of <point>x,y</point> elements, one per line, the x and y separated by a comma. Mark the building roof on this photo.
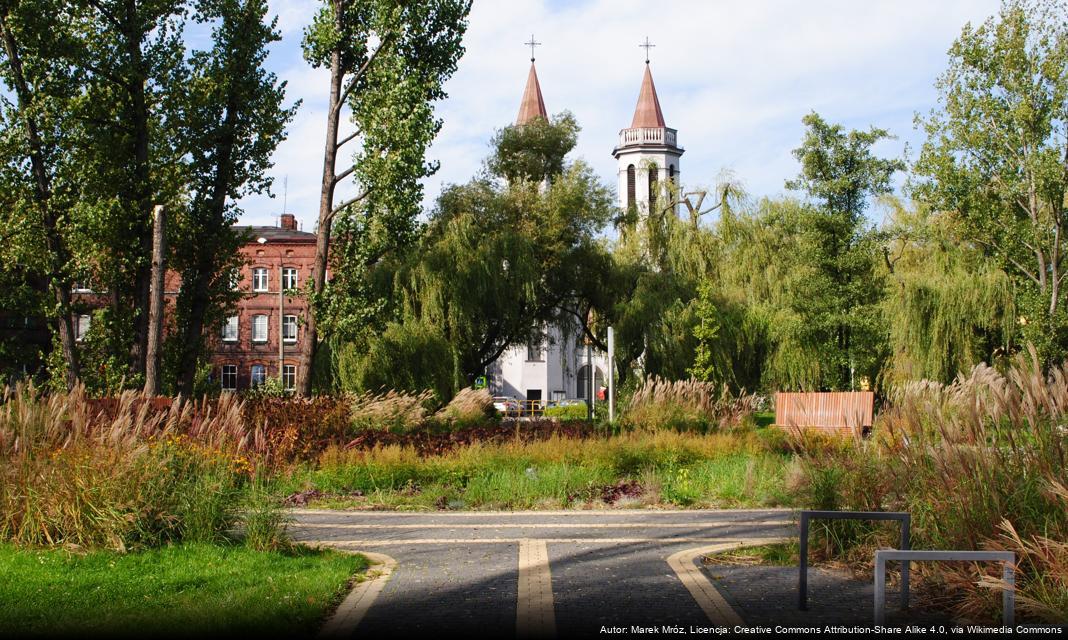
<point>647,113</point>
<point>274,234</point>
<point>532,104</point>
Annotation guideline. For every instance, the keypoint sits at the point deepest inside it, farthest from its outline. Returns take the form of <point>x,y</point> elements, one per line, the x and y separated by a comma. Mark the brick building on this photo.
<point>263,339</point>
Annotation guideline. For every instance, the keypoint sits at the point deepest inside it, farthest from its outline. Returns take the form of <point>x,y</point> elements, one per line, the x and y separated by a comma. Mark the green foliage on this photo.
<point>497,262</point>
<point>995,156</point>
<point>568,412</point>
<point>390,60</point>
<point>405,357</point>
<point>534,151</point>
<point>948,307</point>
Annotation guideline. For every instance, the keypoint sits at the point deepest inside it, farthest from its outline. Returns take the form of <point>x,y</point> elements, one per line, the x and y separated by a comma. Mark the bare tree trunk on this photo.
<point>322,241</point>
<point>58,254</point>
<point>155,309</point>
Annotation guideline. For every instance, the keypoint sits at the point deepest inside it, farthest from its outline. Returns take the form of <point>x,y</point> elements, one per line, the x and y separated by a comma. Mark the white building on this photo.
<point>647,155</point>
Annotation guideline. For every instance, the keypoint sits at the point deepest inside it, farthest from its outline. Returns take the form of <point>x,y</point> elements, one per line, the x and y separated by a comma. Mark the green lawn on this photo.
<point>183,590</point>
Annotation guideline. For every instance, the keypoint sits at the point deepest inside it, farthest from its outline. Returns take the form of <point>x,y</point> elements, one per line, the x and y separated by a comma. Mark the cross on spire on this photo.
<point>532,44</point>
<point>646,45</point>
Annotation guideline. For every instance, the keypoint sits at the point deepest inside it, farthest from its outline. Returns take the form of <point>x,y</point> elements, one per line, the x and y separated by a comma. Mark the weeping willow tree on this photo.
<point>659,260</point>
<point>754,330</point>
<point>501,258</point>
<point>948,307</point>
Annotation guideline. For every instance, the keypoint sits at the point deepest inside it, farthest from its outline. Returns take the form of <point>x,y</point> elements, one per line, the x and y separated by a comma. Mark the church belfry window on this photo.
<point>630,186</point>
<point>653,175</point>
<point>671,173</point>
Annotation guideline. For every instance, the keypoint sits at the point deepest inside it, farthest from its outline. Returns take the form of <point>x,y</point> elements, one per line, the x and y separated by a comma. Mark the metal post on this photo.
<point>1008,595</point>
<point>589,381</point>
<point>905,546</point>
<point>281,323</point>
<point>611,375</point>
<point>802,578</point>
<point>880,588</point>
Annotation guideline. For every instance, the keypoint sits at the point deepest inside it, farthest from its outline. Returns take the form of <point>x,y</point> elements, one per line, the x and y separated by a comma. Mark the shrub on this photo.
<point>686,405</point>
<point>568,412</point>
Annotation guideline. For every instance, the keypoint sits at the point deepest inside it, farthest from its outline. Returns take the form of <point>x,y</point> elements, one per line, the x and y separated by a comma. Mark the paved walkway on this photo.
<point>534,573</point>
<point>539,574</point>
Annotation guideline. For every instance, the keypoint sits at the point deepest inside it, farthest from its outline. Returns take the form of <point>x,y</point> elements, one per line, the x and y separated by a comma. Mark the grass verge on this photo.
<point>176,590</point>
<point>634,469</point>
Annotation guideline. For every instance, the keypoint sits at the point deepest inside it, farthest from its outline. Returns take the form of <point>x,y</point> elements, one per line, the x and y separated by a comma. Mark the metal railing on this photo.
<point>905,520</point>
<point>1008,558</point>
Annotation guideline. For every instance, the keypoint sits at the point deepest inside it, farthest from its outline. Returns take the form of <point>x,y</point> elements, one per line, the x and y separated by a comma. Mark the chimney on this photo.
<point>289,222</point>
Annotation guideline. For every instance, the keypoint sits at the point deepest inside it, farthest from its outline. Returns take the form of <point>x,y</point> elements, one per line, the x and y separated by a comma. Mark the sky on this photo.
<point>734,78</point>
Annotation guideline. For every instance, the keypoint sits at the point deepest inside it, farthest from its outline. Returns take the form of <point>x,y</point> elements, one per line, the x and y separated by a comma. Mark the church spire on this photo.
<point>647,113</point>
<point>532,104</point>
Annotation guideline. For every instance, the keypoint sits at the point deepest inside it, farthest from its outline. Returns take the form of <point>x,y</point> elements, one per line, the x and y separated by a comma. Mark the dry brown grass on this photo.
<point>686,405</point>
<point>393,410</point>
<point>979,463</point>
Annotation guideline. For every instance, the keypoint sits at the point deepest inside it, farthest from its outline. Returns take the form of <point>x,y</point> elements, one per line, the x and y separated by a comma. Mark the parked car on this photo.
<point>505,405</point>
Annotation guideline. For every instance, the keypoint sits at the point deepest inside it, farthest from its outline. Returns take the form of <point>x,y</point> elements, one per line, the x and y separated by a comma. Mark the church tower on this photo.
<point>648,152</point>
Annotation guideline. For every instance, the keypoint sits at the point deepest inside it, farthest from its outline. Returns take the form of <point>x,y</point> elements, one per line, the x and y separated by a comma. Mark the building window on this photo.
<point>229,330</point>
<point>258,375</point>
<point>79,287</point>
<point>260,279</point>
<point>671,173</point>
<point>81,326</point>
<point>653,177</point>
<point>583,382</point>
<point>289,377</point>
<point>289,278</point>
<point>229,377</point>
<point>259,328</point>
<point>289,329</point>
<point>534,353</point>
<point>630,186</point>
<point>235,279</point>
<point>558,396</point>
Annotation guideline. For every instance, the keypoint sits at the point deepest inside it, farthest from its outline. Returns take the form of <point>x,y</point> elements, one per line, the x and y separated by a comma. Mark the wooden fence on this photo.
<point>847,411</point>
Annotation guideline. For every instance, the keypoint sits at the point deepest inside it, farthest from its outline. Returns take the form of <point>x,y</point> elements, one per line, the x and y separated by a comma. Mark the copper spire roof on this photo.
<point>647,114</point>
<point>532,105</point>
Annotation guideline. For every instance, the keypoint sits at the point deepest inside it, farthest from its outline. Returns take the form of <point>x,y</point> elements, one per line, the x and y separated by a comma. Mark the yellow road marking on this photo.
<point>701,588</point>
<point>535,617</point>
<point>355,605</point>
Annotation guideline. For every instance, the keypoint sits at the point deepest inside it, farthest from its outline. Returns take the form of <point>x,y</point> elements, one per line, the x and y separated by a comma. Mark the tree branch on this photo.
<point>348,138</point>
<point>349,202</point>
<point>388,40</point>
<point>344,174</point>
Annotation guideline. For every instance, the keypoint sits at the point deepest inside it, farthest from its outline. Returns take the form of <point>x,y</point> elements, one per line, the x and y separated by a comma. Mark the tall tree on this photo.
<point>841,174</point>
<point>996,155</point>
<point>232,120</point>
<point>35,172</point>
<point>132,56</point>
<point>510,252</point>
<point>388,60</point>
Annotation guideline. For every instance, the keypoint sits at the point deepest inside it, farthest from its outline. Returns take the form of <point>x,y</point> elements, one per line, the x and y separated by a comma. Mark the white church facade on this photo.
<point>647,155</point>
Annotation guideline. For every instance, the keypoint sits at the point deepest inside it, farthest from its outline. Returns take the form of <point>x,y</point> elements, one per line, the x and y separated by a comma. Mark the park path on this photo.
<point>539,574</point>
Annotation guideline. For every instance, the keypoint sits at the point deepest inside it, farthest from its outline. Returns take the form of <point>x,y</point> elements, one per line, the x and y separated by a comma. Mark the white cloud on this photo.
<point>734,78</point>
